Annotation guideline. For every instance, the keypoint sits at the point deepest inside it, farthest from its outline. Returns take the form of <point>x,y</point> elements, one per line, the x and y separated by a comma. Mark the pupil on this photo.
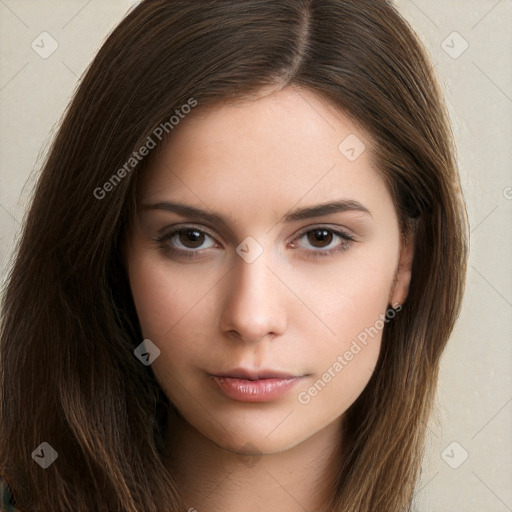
<point>191,238</point>
<point>318,236</point>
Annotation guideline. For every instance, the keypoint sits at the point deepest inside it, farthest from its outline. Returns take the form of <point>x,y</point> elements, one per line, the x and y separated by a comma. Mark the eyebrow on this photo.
<point>295,215</point>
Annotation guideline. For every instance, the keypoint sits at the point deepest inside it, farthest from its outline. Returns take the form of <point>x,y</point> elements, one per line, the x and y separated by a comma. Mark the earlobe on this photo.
<point>402,279</point>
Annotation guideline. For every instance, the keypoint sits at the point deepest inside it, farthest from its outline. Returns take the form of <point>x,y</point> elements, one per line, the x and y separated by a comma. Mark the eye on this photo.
<point>323,241</point>
<point>190,238</point>
<point>186,241</point>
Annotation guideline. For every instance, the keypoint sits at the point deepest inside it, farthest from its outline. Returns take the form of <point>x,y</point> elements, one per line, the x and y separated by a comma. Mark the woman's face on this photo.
<point>263,259</point>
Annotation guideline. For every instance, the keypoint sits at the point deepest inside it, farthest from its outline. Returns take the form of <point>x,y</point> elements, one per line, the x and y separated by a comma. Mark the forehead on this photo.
<point>284,147</point>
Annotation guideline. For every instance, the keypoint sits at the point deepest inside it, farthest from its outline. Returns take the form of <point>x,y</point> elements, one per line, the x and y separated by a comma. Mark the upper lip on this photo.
<point>244,373</point>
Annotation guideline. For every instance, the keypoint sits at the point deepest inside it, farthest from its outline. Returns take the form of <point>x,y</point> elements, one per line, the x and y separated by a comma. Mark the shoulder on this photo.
<point>6,498</point>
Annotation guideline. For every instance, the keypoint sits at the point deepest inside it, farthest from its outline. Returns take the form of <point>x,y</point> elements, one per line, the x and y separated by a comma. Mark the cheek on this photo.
<point>165,295</point>
<point>352,303</point>
<point>175,310</point>
<point>348,297</point>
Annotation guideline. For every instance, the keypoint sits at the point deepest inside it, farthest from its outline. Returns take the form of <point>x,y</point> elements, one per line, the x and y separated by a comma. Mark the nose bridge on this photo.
<point>253,306</point>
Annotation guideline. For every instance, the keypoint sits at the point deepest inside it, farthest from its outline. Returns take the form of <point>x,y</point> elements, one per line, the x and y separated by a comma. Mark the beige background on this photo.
<point>474,406</point>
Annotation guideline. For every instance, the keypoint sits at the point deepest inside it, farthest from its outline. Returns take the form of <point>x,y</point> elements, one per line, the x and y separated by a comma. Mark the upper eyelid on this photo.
<point>207,229</point>
<point>179,227</point>
<point>339,229</point>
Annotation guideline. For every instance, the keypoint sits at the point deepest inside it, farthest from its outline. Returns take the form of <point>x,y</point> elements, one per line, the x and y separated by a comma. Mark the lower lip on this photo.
<point>261,390</point>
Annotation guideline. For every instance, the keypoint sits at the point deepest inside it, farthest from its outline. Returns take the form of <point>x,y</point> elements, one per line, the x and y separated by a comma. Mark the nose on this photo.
<point>253,307</point>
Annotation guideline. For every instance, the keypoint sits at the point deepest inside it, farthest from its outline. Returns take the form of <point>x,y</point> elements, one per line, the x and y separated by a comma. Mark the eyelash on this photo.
<point>162,241</point>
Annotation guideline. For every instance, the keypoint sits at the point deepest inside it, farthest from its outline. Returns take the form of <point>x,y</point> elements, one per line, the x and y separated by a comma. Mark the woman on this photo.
<point>244,257</point>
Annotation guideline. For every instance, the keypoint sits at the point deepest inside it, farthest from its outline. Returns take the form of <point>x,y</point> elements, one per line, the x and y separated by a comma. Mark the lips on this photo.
<point>244,385</point>
<point>242,373</point>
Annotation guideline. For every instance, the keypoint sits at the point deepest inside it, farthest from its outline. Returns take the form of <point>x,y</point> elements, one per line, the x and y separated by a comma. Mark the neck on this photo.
<point>215,479</point>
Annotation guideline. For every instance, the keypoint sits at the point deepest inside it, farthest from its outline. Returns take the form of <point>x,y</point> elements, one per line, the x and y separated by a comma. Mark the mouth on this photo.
<point>245,374</point>
<point>255,386</point>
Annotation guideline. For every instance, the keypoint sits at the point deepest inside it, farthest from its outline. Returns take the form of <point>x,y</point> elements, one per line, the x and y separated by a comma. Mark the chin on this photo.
<point>258,435</point>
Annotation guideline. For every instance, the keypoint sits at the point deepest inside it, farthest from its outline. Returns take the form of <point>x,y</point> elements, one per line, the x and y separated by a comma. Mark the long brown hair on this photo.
<point>69,328</point>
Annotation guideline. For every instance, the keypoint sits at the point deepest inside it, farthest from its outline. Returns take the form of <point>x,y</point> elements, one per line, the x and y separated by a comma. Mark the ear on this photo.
<point>400,287</point>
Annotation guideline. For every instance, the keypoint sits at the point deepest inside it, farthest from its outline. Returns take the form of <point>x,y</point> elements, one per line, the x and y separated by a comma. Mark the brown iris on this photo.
<point>318,237</point>
<point>191,238</point>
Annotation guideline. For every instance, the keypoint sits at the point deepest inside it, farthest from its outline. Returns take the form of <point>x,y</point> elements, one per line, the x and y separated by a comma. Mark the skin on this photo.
<point>289,310</point>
